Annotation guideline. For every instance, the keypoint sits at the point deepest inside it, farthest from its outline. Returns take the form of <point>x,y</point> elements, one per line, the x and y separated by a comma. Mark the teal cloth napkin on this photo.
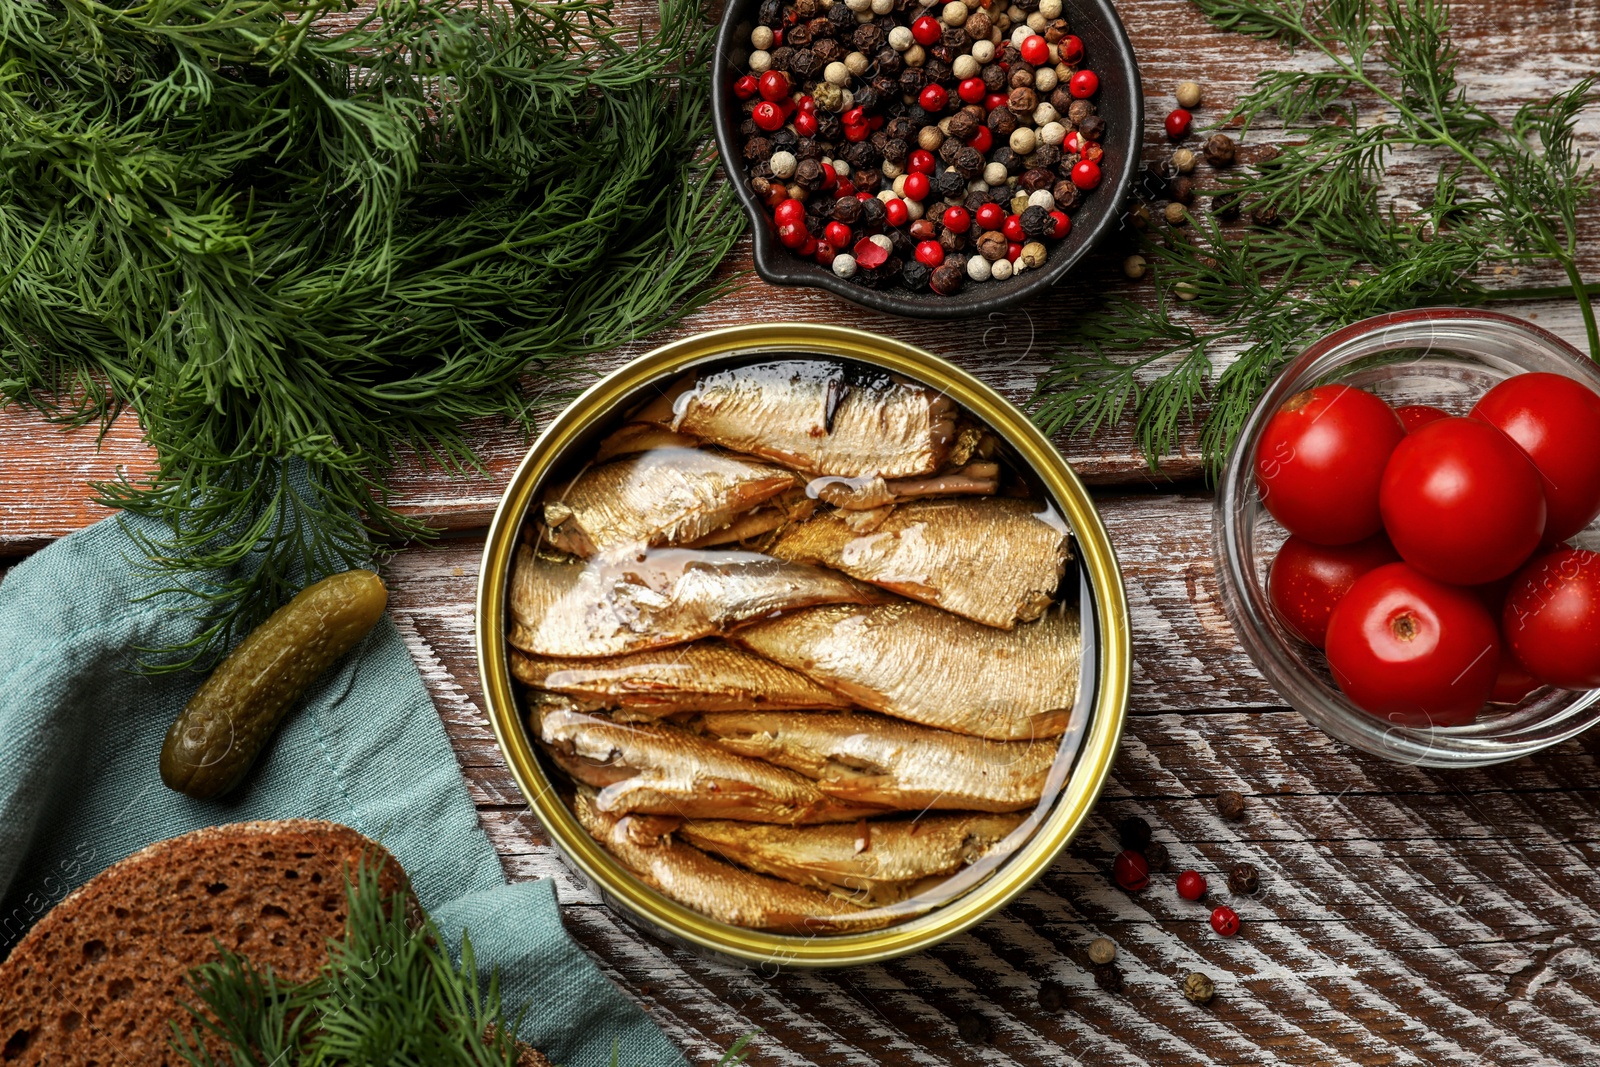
<point>80,732</point>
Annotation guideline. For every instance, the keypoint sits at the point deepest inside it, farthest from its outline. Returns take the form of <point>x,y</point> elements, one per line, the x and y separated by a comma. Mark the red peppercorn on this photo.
<point>767,115</point>
<point>875,122</point>
<point>920,162</point>
<point>916,186</point>
<point>1086,174</point>
<point>1013,250</point>
<point>1084,84</point>
<point>825,253</point>
<point>1061,224</point>
<point>806,103</point>
<point>991,216</point>
<point>994,101</point>
<point>956,219</point>
<point>1073,144</point>
<point>793,235</point>
<point>1224,920</point>
<point>933,98</point>
<point>805,123</point>
<point>1035,50</point>
<point>930,253</point>
<point>896,212</point>
<point>1070,49</point>
<point>1191,885</point>
<point>837,234</point>
<point>774,86</point>
<point>1178,123</point>
<point>810,247</point>
<point>1093,152</point>
<point>830,177</point>
<point>1129,870</point>
<point>846,187</point>
<point>862,195</point>
<point>981,139</point>
<point>857,133</point>
<point>746,87</point>
<point>1012,228</point>
<point>972,91</point>
<point>790,212</point>
<point>870,254</point>
<point>926,31</point>
<point>854,117</point>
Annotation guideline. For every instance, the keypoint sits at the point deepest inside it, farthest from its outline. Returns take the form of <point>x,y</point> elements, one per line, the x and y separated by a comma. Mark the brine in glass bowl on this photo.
<point>1443,357</point>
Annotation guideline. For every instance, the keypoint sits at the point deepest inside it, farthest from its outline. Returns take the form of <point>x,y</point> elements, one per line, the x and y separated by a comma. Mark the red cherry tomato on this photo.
<point>1552,618</point>
<point>926,31</point>
<point>1413,651</point>
<point>1035,50</point>
<point>972,90</point>
<point>1178,122</point>
<point>956,219</point>
<point>1320,460</point>
<point>920,162</point>
<point>1191,885</point>
<point>1084,84</point>
<point>930,253</point>
<point>1307,580</point>
<point>805,123</point>
<point>774,86</point>
<point>789,213</point>
<point>767,115</point>
<point>982,139</point>
<point>1070,49</point>
<point>896,212</point>
<point>1012,228</point>
<point>746,87</point>
<point>836,234</point>
<point>1461,502</point>
<point>1513,682</point>
<point>991,217</point>
<point>1556,421</point>
<point>1086,174</point>
<point>1060,224</point>
<point>916,186</point>
<point>1416,416</point>
<point>933,98</point>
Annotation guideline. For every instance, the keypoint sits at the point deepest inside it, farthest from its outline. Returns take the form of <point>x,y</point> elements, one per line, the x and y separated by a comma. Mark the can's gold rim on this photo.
<point>1093,763</point>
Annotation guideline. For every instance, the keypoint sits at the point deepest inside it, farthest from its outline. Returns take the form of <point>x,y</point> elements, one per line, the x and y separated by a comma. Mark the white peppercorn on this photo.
<point>900,38</point>
<point>835,73</point>
<point>891,169</point>
<point>1037,22</point>
<point>1019,203</point>
<point>1188,94</point>
<point>1063,72</point>
<point>1024,140</point>
<point>929,138</point>
<point>1186,290</point>
<point>1102,950</point>
<point>863,17</point>
<point>1045,79</point>
<point>965,67</point>
<point>882,7</point>
<point>983,52</point>
<point>954,13</point>
<point>840,167</point>
<point>978,268</point>
<point>977,185</point>
<point>1000,270</point>
<point>760,61</point>
<point>915,56</point>
<point>882,241</point>
<point>1176,215</point>
<point>844,265</point>
<point>1050,9</point>
<point>915,210</point>
<point>1184,160</point>
<point>783,164</point>
<point>886,195</point>
<point>1041,198</point>
<point>899,186</point>
<point>1033,254</point>
<point>761,37</point>
<point>1134,267</point>
<point>858,6</point>
<point>1015,13</point>
<point>848,98</point>
<point>1045,113</point>
<point>1021,33</point>
<point>1018,265</point>
<point>995,174</point>
<point>856,63</point>
<point>1052,133</point>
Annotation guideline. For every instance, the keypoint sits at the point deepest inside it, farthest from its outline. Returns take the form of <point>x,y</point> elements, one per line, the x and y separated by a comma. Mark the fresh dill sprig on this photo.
<point>1507,193</point>
<point>389,994</point>
<point>304,238</point>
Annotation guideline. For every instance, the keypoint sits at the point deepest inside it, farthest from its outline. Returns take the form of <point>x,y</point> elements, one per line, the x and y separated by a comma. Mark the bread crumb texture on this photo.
<point>100,977</point>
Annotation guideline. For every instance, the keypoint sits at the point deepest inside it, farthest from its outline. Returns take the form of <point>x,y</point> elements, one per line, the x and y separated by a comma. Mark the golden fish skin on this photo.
<point>661,497</point>
<point>770,518</point>
<point>714,888</point>
<point>656,769</point>
<point>815,417</point>
<point>634,437</point>
<point>928,666</point>
<point>609,606</point>
<point>876,862</point>
<point>992,561</point>
<point>868,493</point>
<point>708,675</point>
<point>868,759</point>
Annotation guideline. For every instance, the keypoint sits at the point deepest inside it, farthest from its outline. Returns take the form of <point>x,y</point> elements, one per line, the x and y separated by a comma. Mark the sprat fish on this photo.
<point>609,606</point>
<point>657,769</point>
<point>928,666</point>
<point>992,561</point>
<point>869,759</point>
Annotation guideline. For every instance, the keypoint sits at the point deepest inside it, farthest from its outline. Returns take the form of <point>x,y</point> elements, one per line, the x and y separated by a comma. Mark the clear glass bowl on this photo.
<point>1447,357</point>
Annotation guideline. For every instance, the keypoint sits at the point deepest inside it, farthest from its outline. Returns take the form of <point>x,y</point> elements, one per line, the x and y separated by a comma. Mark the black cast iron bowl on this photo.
<point>1120,102</point>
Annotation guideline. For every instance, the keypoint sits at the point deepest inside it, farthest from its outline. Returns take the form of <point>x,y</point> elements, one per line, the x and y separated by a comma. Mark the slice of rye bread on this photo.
<point>98,979</point>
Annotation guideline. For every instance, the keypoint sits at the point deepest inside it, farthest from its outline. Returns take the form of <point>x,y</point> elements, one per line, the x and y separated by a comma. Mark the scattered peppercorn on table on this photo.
<point>1385,914</point>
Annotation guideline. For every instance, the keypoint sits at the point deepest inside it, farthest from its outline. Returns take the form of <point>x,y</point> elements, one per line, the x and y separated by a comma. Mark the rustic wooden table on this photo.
<point>1405,915</point>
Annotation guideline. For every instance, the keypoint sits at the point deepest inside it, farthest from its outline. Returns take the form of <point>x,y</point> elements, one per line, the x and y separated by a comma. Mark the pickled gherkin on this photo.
<point>211,746</point>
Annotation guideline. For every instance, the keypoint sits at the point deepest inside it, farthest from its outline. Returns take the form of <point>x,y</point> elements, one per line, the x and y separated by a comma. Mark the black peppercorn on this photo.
<point>863,156</point>
<point>809,9</point>
<point>873,213</point>
<point>799,35</point>
<point>815,224</point>
<point>1244,879</point>
<point>969,161</point>
<point>1052,995</point>
<point>757,148</point>
<point>939,71</point>
<point>782,57</point>
<point>829,126</point>
<point>949,150</point>
<point>1079,110</point>
<point>841,17</point>
<point>1020,78</point>
<point>1155,855</point>
<point>950,183</point>
<point>1001,123</point>
<point>867,181</point>
<point>1181,189</point>
<point>1028,6</point>
<point>1006,158</point>
<point>1036,223</point>
<point>947,278</point>
<point>748,128</point>
<point>901,129</point>
<point>903,245</point>
<point>973,1028</point>
<point>894,149</point>
<point>1066,194</point>
<point>942,54</point>
<point>951,241</point>
<point>826,48</point>
<point>1061,99</point>
<point>784,140</point>
<point>1199,988</point>
<point>770,13</point>
<point>1022,101</point>
<point>1219,150</point>
<point>847,209</point>
<point>1046,155</point>
<point>867,98</point>
<point>808,148</point>
<point>992,245</point>
<point>913,80</point>
<point>1036,178</point>
<point>1230,804</point>
<point>962,125</point>
<point>994,77</point>
<point>1092,128</point>
<point>1108,976</point>
<point>1132,830</point>
<point>808,172</point>
<point>867,38</point>
<point>1225,205</point>
<point>916,275</point>
<point>955,38</point>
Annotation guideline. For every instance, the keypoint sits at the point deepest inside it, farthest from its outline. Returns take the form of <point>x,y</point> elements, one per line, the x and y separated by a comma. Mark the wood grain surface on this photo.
<point>1405,915</point>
